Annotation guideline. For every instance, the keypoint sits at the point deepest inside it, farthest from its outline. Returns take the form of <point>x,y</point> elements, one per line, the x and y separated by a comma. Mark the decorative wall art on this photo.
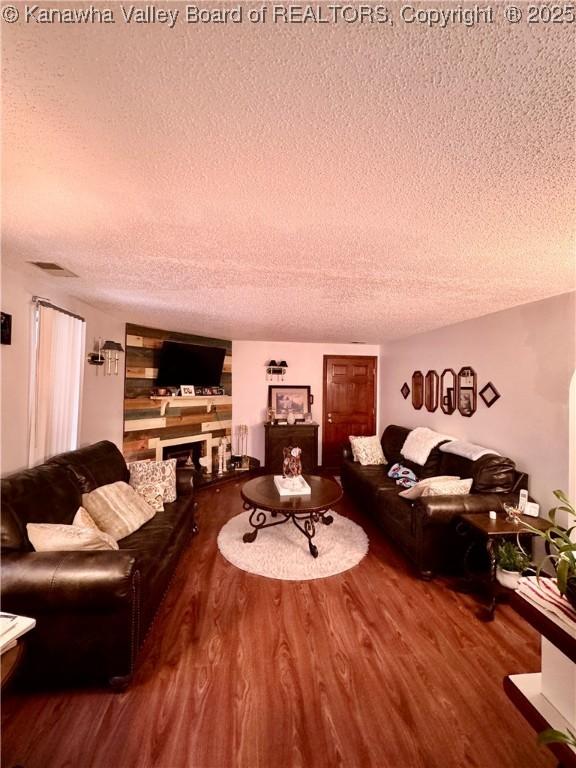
<point>417,390</point>
<point>466,391</point>
<point>448,391</point>
<point>285,398</point>
<point>489,394</point>
<point>431,383</point>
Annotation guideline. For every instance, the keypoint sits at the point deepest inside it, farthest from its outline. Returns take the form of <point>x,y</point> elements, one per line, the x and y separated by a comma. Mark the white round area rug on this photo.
<point>281,551</point>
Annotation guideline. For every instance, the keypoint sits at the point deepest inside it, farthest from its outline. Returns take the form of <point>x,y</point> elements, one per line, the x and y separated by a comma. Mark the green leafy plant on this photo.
<point>551,736</point>
<point>561,547</point>
<point>511,558</point>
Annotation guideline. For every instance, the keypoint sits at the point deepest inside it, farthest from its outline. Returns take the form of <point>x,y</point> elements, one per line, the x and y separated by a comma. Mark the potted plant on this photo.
<point>511,561</point>
<point>560,547</point>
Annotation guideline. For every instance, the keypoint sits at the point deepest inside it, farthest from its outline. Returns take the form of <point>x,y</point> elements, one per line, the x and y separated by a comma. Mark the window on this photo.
<point>56,381</point>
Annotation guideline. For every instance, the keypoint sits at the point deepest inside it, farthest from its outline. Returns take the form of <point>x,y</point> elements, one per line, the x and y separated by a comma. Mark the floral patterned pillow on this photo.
<point>367,450</point>
<point>153,494</point>
<point>146,472</point>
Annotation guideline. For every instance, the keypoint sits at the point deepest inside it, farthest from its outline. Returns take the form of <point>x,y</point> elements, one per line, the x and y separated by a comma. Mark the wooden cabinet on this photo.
<point>280,436</point>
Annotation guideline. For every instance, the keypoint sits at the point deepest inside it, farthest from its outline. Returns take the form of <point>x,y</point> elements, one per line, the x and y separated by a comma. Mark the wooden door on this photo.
<point>349,403</point>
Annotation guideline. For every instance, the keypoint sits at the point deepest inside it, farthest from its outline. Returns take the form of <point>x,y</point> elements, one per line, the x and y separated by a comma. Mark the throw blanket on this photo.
<point>545,594</point>
<point>420,442</point>
<point>467,450</point>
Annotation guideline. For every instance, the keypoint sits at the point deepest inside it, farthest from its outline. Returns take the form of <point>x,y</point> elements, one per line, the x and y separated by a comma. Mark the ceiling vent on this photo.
<point>53,269</point>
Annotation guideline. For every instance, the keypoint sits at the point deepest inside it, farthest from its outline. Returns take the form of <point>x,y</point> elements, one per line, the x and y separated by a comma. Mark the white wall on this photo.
<point>305,366</point>
<point>528,353</point>
<point>102,400</point>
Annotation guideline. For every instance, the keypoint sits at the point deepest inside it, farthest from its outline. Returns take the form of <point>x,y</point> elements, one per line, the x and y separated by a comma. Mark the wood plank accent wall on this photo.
<point>142,420</point>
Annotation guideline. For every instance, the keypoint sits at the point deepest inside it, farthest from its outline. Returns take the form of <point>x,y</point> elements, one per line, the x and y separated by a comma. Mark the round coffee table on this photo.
<point>261,496</point>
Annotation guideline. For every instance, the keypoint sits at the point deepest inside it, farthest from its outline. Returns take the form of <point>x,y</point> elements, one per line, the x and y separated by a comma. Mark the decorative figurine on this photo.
<point>292,464</point>
<point>222,455</point>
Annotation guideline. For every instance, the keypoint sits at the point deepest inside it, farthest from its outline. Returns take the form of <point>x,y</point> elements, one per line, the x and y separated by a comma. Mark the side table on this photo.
<point>482,529</point>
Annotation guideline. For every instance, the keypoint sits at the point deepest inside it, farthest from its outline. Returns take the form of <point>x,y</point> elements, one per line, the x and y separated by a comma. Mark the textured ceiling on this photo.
<point>321,182</point>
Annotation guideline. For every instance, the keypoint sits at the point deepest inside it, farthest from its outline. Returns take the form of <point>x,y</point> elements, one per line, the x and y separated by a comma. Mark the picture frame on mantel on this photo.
<point>286,398</point>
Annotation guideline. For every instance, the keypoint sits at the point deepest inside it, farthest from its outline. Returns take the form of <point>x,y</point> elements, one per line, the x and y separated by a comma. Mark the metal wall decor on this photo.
<point>466,391</point>
<point>431,385</point>
<point>489,394</point>
<point>449,390</point>
<point>417,390</point>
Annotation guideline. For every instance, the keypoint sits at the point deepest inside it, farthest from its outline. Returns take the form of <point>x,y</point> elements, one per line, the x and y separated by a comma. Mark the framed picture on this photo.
<point>466,394</point>
<point>466,401</point>
<point>187,390</point>
<point>285,398</point>
<point>489,394</point>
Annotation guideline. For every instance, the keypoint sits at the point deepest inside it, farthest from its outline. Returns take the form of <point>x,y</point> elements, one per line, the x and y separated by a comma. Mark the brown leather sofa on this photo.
<point>92,608</point>
<point>425,529</point>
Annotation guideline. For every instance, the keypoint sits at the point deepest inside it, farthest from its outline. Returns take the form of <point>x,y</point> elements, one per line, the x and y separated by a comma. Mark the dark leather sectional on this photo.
<point>92,608</point>
<point>424,529</point>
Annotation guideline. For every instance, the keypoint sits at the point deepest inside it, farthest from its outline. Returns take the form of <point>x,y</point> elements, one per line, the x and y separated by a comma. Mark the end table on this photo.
<point>482,529</point>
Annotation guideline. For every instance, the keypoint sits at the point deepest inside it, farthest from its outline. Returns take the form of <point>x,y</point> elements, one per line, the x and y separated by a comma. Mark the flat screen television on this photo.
<point>189,364</point>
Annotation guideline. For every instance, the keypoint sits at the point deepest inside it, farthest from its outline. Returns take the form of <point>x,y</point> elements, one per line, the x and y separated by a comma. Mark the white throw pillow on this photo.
<point>449,488</point>
<point>83,534</point>
<point>417,490</point>
<point>117,509</point>
<point>367,450</point>
<point>145,472</point>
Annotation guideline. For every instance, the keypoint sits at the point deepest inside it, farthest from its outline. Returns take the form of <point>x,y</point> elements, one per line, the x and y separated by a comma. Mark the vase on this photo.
<point>508,579</point>
<point>291,419</point>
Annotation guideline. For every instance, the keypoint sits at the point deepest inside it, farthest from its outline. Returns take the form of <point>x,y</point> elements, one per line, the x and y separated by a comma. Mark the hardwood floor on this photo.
<point>371,668</point>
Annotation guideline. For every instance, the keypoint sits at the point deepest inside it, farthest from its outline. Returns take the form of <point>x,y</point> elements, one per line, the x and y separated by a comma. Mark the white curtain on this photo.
<point>55,388</point>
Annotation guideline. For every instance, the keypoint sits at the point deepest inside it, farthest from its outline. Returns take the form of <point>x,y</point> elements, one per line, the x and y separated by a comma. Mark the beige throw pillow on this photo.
<point>449,488</point>
<point>83,534</point>
<point>83,519</point>
<point>146,472</point>
<point>417,490</point>
<point>367,450</point>
<point>117,509</point>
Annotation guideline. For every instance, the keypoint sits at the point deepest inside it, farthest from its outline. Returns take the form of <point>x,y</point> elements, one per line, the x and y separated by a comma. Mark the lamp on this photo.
<point>276,369</point>
<point>111,350</point>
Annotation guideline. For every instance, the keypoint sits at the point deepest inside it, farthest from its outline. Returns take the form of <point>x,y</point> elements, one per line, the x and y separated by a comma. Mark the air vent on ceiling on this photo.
<point>53,269</point>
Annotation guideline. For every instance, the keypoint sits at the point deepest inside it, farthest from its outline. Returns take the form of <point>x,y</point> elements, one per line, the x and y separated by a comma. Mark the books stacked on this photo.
<point>544,594</point>
<point>292,486</point>
<point>11,628</point>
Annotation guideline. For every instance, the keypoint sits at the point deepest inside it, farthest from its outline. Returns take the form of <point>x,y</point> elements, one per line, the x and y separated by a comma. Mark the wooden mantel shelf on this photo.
<point>192,400</point>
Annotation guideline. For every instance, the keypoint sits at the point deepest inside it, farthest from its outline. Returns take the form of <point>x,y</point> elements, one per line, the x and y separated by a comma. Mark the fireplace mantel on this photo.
<point>191,401</point>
